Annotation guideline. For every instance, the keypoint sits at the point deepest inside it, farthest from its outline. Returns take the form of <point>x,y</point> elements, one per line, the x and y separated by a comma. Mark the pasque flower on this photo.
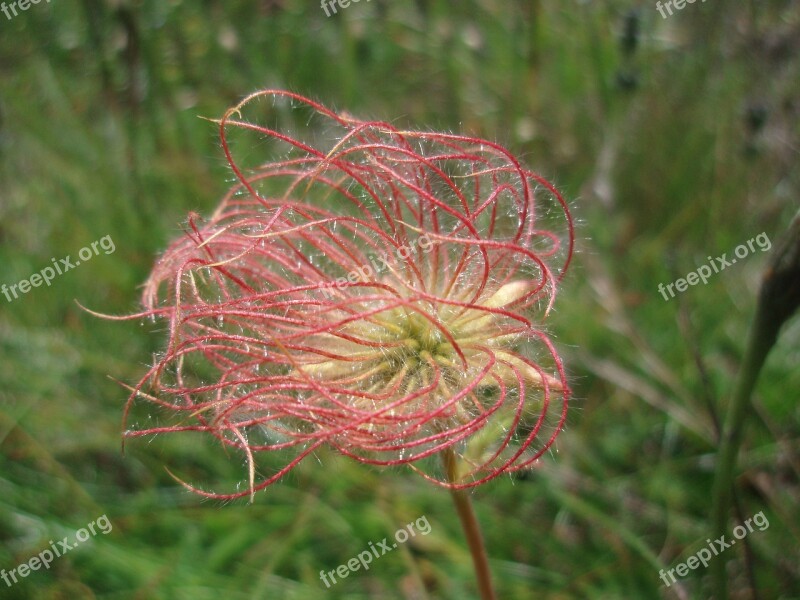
<point>375,290</point>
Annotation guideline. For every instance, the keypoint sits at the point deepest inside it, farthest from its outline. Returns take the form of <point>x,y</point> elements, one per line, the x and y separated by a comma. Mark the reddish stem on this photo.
<point>472,529</point>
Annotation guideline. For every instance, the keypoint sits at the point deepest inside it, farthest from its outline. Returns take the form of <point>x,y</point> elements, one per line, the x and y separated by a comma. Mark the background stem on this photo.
<point>757,349</point>
<point>778,300</point>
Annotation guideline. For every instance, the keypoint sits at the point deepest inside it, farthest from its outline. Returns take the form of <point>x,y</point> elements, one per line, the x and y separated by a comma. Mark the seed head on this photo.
<point>376,290</point>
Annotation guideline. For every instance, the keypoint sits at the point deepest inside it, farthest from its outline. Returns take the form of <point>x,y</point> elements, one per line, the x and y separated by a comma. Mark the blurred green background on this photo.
<point>674,139</point>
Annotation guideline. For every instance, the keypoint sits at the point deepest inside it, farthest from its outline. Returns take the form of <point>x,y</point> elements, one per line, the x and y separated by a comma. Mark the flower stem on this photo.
<point>472,530</point>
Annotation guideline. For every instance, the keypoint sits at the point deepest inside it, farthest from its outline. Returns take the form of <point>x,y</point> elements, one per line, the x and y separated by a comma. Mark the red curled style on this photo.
<point>375,290</point>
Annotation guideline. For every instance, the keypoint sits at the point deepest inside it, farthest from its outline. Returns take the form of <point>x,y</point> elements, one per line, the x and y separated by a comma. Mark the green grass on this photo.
<point>100,135</point>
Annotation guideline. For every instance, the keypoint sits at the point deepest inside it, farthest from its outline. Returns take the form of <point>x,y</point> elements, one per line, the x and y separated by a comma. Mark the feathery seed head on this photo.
<point>376,290</point>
